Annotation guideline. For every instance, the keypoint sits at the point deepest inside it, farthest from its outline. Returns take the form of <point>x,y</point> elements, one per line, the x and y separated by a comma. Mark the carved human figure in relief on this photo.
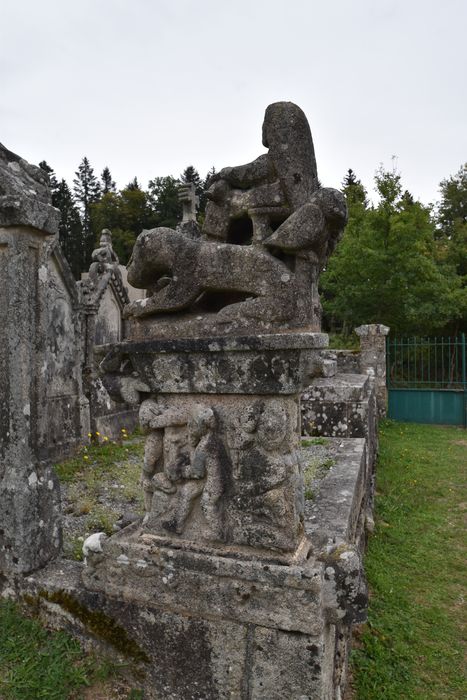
<point>268,471</point>
<point>182,462</point>
<point>155,418</point>
<point>268,231</point>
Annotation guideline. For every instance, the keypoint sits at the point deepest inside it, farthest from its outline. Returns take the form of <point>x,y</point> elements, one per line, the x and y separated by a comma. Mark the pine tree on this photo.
<point>87,191</point>
<point>53,182</point>
<point>70,228</point>
<point>205,184</point>
<point>133,185</point>
<point>108,185</point>
<point>353,189</point>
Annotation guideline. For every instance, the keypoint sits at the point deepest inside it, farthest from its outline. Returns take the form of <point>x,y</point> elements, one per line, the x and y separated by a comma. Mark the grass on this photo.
<point>309,442</point>
<point>36,664</point>
<point>411,647</point>
<point>100,481</point>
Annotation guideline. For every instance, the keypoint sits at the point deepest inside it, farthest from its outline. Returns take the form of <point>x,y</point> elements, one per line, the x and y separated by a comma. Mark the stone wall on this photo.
<point>30,533</point>
<point>348,361</point>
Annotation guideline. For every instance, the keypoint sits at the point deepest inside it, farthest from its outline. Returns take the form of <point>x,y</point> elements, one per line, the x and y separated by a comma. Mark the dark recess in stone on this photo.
<point>240,231</point>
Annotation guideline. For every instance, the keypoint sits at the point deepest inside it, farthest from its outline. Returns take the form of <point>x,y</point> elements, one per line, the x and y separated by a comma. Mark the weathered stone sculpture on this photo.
<point>216,355</point>
<point>30,533</point>
<point>104,257</point>
<point>268,232</point>
<point>24,195</point>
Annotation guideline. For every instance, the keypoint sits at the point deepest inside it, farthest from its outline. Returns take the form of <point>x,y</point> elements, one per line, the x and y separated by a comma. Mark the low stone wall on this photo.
<point>348,361</point>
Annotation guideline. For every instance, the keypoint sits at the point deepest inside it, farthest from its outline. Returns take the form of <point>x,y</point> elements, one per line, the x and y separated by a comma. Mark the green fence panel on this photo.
<point>427,379</point>
<point>442,407</point>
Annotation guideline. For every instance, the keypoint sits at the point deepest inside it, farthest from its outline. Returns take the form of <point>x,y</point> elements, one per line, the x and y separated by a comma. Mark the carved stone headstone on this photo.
<point>29,491</point>
<point>103,296</point>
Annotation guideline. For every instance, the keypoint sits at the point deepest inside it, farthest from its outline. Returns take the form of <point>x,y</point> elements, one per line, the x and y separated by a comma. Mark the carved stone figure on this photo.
<point>178,270</point>
<point>269,230</point>
<point>104,257</point>
<point>183,461</point>
<point>271,187</point>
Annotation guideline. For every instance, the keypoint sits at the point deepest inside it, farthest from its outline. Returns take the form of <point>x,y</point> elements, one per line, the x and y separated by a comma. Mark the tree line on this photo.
<point>93,203</point>
<point>399,262</point>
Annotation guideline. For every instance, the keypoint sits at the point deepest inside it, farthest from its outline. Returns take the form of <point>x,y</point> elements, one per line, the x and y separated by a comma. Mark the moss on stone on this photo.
<point>100,624</point>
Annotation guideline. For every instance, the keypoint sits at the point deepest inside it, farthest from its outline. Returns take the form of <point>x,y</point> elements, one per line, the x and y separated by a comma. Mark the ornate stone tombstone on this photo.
<point>216,355</point>
<point>103,296</point>
<point>30,532</point>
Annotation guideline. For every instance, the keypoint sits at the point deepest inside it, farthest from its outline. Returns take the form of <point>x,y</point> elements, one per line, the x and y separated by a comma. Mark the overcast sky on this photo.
<point>148,87</point>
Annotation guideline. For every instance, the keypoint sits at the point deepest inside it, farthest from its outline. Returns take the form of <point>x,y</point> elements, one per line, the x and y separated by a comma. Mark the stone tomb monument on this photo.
<point>222,587</point>
<point>30,532</point>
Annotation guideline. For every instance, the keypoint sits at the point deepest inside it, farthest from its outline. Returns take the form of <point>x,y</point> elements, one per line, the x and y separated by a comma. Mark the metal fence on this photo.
<point>427,379</point>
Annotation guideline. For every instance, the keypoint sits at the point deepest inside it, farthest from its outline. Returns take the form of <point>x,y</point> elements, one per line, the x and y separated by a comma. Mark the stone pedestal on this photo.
<point>373,360</point>
<point>223,423</point>
<point>220,577</point>
<point>29,491</point>
<point>220,580</point>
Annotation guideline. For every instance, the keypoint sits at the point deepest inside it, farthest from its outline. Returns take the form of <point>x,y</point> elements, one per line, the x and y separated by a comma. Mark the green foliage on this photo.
<point>308,442</point>
<point>163,198</point>
<point>453,205</point>
<point>126,214</point>
<point>337,341</point>
<point>70,229</point>
<point>385,269</point>
<point>412,645</point>
<point>451,234</point>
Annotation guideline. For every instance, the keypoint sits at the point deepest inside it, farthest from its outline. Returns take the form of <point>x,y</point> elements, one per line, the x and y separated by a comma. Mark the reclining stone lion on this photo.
<point>176,270</point>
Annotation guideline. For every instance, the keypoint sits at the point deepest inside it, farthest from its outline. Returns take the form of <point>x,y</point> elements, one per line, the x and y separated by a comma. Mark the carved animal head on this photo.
<point>154,255</point>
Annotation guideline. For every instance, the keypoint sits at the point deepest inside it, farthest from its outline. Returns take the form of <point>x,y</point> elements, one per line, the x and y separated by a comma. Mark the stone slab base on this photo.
<point>209,626</point>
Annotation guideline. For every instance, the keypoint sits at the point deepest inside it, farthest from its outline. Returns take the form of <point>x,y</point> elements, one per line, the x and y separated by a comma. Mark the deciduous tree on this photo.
<point>385,269</point>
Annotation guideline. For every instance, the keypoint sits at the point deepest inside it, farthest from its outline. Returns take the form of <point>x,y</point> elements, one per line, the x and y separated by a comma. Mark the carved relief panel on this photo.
<point>223,469</point>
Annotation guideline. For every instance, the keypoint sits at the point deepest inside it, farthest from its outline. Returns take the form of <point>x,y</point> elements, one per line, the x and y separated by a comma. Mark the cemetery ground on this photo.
<point>411,645</point>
